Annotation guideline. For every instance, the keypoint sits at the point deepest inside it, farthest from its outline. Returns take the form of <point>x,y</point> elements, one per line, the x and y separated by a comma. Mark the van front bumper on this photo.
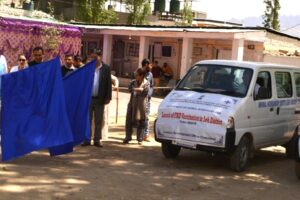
<point>229,143</point>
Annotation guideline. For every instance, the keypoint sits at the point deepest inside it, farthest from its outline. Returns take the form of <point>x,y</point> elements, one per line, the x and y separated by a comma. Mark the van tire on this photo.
<point>291,146</point>
<point>169,150</point>
<point>240,157</point>
<point>297,169</point>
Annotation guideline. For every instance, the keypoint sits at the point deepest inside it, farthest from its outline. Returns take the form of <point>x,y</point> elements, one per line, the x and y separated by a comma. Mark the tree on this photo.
<point>271,16</point>
<point>138,11</point>
<point>93,11</point>
<point>187,15</point>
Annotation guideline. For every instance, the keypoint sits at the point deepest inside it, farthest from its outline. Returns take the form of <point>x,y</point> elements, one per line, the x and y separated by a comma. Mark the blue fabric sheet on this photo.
<point>78,87</point>
<point>34,114</point>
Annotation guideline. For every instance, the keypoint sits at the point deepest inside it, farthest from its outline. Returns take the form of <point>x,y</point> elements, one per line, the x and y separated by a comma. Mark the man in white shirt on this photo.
<point>102,92</point>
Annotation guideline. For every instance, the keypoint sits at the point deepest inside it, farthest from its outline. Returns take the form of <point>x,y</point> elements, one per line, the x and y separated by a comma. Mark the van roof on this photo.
<point>246,64</point>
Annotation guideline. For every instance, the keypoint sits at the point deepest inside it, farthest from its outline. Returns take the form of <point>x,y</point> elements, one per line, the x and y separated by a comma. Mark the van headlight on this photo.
<point>230,122</point>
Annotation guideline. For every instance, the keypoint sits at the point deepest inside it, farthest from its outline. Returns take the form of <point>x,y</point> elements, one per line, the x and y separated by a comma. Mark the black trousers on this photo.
<point>130,124</point>
<point>96,113</point>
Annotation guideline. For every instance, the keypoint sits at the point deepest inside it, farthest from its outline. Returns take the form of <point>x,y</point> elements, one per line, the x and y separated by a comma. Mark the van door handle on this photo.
<point>271,109</point>
<point>278,110</point>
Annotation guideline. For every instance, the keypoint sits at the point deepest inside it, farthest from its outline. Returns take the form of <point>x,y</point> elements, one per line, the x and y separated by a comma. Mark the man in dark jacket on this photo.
<point>102,92</point>
<point>38,54</point>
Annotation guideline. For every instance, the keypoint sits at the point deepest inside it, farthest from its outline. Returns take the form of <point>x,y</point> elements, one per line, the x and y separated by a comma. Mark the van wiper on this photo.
<point>205,90</point>
<point>232,93</point>
<point>184,88</point>
<point>197,89</point>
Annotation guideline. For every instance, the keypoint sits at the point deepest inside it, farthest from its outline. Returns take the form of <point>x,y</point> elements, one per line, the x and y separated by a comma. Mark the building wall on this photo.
<point>90,42</point>
<point>285,60</point>
<point>125,56</point>
<point>222,49</point>
<point>206,49</point>
<point>280,45</point>
<point>174,59</point>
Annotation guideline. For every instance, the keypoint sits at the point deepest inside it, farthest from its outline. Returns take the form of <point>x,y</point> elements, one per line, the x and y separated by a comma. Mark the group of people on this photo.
<point>102,88</point>
<point>71,62</point>
<point>161,75</point>
<point>141,89</point>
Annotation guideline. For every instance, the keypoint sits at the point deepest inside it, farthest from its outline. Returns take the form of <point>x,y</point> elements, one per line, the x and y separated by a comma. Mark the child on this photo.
<point>136,109</point>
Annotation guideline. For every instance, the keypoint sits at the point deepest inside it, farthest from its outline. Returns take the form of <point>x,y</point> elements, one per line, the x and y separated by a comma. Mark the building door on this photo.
<point>118,57</point>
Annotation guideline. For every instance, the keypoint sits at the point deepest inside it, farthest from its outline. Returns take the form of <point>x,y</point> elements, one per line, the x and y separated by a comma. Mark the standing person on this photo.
<point>146,65</point>
<point>3,64</point>
<point>105,124</point>
<point>102,92</point>
<point>38,54</point>
<point>156,72</point>
<point>3,69</point>
<point>77,61</point>
<point>22,64</point>
<point>68,66</point>
<point>137,106</point>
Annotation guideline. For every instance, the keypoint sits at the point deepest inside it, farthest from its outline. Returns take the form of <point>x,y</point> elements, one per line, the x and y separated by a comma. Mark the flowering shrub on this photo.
<point>51,37</point>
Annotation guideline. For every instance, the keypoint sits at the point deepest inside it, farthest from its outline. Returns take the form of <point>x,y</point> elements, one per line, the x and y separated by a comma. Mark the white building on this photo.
<point>125,46</point>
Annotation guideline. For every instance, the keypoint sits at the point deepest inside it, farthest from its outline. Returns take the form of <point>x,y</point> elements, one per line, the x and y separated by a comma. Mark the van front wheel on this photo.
<point>170,150</point>
<point>239,158</point>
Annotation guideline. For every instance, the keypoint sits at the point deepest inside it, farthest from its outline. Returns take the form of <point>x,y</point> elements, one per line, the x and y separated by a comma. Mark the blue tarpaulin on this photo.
<point>78,91</point>
<point>34,114</point>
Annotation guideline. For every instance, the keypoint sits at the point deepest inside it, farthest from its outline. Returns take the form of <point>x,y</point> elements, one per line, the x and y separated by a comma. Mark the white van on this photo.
<point>231,107</point>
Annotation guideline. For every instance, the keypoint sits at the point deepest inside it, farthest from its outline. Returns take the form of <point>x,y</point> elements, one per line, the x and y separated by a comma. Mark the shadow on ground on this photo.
<point>120,171</point>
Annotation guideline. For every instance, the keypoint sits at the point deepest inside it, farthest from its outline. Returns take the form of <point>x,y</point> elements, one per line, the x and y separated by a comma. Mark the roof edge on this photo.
<point>258,28</point>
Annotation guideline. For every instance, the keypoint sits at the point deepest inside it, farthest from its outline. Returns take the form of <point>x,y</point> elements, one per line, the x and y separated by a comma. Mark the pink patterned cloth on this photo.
<point>17,39</point>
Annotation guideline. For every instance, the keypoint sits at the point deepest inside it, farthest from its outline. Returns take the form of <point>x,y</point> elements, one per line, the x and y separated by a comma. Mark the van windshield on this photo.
<point>220,79</point>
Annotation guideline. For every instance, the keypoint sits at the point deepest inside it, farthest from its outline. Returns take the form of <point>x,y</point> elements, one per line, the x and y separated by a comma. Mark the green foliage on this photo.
<point>93,11</point>
<point>187,15</point>
<point>138,11</point>
<point>50,8</point>
<point>271,15</point>
<point>51,37</point>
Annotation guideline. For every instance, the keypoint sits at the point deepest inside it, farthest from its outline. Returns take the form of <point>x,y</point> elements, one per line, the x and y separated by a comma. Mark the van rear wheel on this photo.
<point>297,169</point>
<point>291,146</point>
<point>169,150</point>
<point>240,157</point>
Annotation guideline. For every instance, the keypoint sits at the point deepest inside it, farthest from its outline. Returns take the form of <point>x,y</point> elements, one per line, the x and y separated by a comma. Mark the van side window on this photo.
<point>283,84</point>
<point>263,88</point>
<point>297,83</point>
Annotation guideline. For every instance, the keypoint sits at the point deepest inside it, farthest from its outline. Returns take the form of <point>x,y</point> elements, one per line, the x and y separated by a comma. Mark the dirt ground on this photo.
<point>120,171</point>
<point>135,172</point>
